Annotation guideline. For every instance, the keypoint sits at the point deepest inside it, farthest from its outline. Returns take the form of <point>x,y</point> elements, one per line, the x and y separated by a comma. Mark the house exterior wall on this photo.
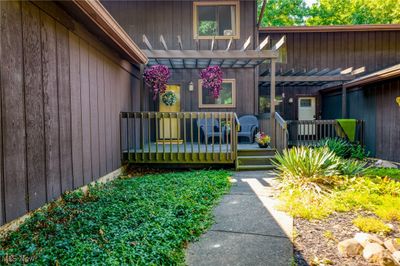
<point>308,50</point>
<point>172,18</point>
<point>61,94</point>
<point>376,105</point>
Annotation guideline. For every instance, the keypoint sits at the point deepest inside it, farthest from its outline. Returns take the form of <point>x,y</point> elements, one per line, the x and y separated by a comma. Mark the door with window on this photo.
<point>170,102</point>
<point>306,111</point>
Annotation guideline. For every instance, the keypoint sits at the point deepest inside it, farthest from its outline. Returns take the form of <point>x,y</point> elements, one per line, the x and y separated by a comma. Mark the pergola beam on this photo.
<point>308,78</point>
<point>206,54</point>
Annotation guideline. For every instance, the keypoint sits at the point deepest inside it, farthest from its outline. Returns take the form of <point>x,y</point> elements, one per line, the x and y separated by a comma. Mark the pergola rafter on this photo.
<point>227,58</point>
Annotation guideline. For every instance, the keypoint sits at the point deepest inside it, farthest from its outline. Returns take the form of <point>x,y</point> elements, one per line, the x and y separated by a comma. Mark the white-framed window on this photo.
<point>219,20</point>
<point>226,99</point>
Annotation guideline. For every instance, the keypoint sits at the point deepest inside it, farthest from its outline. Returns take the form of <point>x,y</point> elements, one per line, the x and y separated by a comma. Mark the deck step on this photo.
<point>256,152</point>
<point>254,167</point>
<point>255,160</point>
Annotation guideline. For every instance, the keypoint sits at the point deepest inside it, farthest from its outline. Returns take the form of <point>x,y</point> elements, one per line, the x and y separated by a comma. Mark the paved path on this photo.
<point>247,230</point>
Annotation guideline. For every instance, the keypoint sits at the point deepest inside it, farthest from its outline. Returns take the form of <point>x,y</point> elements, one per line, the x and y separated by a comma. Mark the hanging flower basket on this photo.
<point>212,80</point>
<point>156,77</point>
<point>169,98</point>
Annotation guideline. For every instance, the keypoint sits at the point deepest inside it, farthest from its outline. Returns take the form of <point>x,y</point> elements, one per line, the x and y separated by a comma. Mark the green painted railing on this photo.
<point>178,137</point>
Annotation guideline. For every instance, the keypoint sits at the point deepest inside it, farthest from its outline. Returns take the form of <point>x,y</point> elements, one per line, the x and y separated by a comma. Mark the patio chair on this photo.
<point>248,127</point>
<point>209,128</point>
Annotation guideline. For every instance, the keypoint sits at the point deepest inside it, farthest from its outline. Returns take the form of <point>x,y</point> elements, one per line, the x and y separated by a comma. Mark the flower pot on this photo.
<point>263,145</point>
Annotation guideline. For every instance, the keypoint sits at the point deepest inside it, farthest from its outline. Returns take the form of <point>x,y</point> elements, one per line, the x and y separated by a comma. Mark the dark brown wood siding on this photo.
<point>387,128</point>
<point>373,50</point>
<point>307,50</point>
<point>172,18</point>
<point>61,93</point>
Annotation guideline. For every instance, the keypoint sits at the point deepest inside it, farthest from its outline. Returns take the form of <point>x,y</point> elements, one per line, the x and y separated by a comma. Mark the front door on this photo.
<point>169,128</point>
<point>307,111</point>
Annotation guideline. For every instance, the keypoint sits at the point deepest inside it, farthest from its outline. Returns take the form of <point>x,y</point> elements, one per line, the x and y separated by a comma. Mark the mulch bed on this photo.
<point>310,244</point>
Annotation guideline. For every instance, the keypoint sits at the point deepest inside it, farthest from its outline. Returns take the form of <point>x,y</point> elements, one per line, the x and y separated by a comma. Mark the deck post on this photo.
<point>344,102</point>
<point>272,111</point>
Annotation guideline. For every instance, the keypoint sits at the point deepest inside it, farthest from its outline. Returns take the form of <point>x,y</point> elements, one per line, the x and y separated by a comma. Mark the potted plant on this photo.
<point>262,139</point>
<point>212,80</point>
<point>156,77</point>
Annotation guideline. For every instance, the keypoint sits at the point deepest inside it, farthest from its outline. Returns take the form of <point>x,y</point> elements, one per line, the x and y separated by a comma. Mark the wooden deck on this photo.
<point>186,153</point>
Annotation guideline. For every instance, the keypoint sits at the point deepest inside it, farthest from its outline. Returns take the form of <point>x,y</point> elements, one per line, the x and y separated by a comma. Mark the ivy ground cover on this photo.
<point>137,221</point>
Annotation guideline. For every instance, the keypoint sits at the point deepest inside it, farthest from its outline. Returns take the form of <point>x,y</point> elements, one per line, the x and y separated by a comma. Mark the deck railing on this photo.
<point>281,133</point>
<point>310,132</point>
<point>178,137</point>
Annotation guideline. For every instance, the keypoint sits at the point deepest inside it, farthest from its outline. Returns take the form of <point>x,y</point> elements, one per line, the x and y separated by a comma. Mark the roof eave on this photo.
<point>97,13</point>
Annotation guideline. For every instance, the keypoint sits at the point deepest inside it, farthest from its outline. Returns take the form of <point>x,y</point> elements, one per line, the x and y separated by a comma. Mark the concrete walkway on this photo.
<point>248,230</point>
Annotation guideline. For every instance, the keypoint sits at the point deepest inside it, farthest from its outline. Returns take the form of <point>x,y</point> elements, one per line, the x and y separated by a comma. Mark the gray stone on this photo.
<point>391,245</point>
<point>364,239</point>
<point>349,248</point>
<point>372,252</point>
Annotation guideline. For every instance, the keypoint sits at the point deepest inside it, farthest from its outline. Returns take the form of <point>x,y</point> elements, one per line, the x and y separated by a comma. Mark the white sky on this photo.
<point>310,2</point>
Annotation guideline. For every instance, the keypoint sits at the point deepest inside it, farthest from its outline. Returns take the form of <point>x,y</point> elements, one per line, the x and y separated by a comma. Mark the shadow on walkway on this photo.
<point>248,230</point>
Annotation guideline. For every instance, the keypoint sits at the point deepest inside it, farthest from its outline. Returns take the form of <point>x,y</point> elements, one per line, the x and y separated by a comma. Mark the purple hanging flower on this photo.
<point>212,80</point>
<point>156,77</point>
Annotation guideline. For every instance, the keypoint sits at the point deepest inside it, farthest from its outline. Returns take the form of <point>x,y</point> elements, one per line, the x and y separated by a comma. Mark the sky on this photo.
<point>310,2</point>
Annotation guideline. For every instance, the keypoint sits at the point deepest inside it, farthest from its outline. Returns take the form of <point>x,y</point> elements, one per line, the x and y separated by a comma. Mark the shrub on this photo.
<point>371,225</point>
<point>340,147</point>
<point>383,172</point>
<point>344,148</point>
<point>307,168</point>
<point>351,167</point>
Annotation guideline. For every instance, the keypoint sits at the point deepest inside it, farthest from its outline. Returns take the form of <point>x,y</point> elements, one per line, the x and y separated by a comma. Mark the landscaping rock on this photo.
<point>364,239</point>
<point>386,259</point>
<point>349,247</point>
<point>384,164</point>
<point>373,252</point>
<point>391,245</point>
<point>396,257</point>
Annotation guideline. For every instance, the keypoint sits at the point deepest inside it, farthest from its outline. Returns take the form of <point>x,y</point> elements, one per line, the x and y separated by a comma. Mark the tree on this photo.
<point>330,12</point>
<point>283,12</point>
<point>350,12</point>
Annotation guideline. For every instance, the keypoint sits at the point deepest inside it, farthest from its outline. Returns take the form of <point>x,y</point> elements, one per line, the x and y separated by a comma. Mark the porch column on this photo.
<point>272,111</point>
<point>344,101</point>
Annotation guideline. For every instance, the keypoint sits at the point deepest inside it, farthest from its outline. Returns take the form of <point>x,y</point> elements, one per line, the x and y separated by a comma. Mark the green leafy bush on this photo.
<point>351,167</point>
<point>308,168</point>
<point>344,148</point>
<point>140,221</point>
<point>384,172</point>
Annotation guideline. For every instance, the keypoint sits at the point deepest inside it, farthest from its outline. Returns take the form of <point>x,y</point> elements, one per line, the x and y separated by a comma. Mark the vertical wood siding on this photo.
<point>172,18</point>
<point>61,92</point>
<point>374,50</point>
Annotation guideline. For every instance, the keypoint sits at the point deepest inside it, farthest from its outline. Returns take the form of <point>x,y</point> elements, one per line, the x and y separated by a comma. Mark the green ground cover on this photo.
<point>138,221</point>
<point>384,172</point>
<point>316,183</point>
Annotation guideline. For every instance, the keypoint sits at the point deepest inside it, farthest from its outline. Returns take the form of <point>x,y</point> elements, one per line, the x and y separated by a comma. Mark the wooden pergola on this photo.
<point>227,58</point>
<point>313,77</point>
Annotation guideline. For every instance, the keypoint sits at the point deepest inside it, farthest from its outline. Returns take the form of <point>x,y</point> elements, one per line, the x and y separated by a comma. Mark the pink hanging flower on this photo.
<point>212,80</point>
<point>156,77</point>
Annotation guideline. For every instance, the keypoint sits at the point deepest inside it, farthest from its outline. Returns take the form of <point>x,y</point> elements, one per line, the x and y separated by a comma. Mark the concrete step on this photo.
<point>255,160</point>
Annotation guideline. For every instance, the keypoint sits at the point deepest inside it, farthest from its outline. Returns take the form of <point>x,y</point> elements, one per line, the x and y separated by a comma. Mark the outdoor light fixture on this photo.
<point>290,100</point>
<point>191,88</point>
<point>398,100</point>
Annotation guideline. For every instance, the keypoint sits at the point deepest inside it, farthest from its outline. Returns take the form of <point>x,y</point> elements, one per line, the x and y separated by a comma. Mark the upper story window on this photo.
<point>219,20</point>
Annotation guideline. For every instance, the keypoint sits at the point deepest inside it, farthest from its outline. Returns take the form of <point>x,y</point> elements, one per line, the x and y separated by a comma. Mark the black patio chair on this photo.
<point>248,127</point>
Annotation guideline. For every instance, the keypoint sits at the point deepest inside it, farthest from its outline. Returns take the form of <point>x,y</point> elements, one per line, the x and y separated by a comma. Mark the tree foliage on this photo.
<point>330,12</point>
